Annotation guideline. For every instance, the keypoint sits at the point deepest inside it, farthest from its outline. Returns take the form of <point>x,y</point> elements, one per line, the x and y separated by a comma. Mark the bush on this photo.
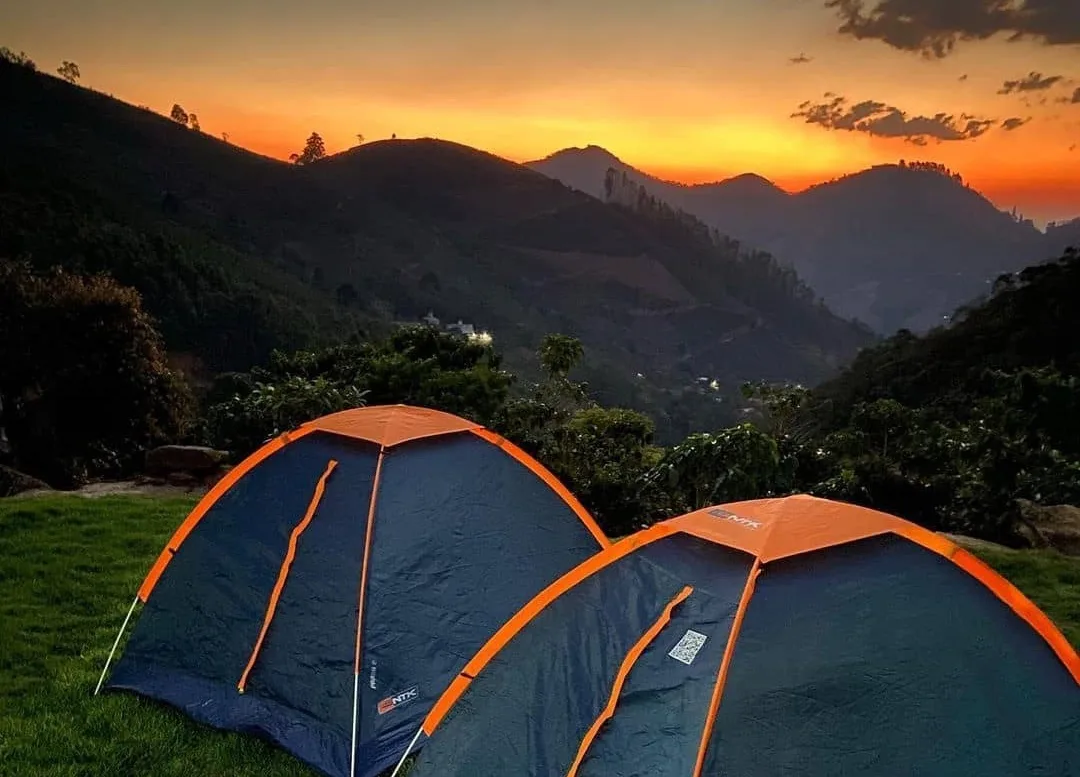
<point>85,387</point>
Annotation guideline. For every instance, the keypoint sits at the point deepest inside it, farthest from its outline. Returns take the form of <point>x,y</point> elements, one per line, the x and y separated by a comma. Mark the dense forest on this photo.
<point>955,430</point>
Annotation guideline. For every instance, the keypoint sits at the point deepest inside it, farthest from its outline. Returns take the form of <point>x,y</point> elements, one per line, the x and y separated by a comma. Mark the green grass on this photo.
<point>69,567</point>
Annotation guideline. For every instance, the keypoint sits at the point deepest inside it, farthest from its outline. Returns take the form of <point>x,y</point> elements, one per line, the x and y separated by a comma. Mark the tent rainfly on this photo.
<point>325,592</point>
<point>793,636</point>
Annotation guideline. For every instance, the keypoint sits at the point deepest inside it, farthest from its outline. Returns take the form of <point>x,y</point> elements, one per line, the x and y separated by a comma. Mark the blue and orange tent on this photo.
<point>795,636</point>
<point>325,592</point>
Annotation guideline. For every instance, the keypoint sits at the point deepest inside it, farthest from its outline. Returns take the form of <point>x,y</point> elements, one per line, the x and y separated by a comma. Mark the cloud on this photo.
<point>887,121</point>
<point>1032,82</point>
<point>802,59</point>
<point>963,77</point>
<point>934,27</point>
<point>1074,100</point>
<point>1014,123</point>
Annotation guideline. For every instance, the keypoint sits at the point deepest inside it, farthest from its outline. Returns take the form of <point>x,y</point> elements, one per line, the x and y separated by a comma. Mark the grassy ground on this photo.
<point>69,567</point>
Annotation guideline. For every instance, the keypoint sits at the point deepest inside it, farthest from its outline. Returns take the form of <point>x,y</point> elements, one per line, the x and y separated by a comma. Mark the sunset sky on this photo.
<point>691,90</point>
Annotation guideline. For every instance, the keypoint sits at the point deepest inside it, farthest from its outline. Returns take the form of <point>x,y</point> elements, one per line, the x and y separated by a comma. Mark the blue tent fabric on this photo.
<point>873,654</point>
<point>463,534</point>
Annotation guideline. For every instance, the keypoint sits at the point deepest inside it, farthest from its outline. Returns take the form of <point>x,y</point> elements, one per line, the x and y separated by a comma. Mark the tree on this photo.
<point>314,150</point>
<point>179,115</point>
<point>603,457</point>
<point>726,466</point>
<point>69,71</point>
<point>193,121</point>
<point>359,138</point>
<point>559,354</point>
<point>20,59</point>
<point>416,365</point>
<point>225,136</point>
<point>246,420</point>
<point>85,385</point>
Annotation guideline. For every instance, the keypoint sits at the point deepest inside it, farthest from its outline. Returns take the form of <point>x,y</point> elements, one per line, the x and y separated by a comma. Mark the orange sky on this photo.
<point>691,90</point>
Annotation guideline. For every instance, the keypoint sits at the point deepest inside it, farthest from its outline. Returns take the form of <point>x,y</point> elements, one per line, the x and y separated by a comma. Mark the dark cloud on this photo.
<point>1074,100</point>
<point>963,77</point>
<point>887,121</point>
<point>934,27</point>
<point>1032,82</point>
<point>802,59</point>
<point>1014,123</point>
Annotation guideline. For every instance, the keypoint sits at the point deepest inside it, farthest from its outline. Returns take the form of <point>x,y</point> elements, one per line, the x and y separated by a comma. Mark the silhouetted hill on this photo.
<point>238,254</point>
<point>894,246</point>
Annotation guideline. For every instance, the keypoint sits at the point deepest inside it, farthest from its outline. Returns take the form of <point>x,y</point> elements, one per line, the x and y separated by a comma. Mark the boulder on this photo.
<point>13,482</point>
<point>1051,526</point>
<point>194,459</point>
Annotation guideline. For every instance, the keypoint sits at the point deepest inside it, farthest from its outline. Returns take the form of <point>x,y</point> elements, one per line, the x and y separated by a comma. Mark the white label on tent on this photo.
<point>688,647</point>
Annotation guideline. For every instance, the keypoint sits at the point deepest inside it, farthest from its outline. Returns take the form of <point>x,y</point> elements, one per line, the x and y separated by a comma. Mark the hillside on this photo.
<point>897,247</point>
<point>238,254</point>
<point>1027,322</point>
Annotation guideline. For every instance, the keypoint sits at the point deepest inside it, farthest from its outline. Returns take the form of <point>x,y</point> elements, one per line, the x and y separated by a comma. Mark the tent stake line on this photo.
<point>115,644</point>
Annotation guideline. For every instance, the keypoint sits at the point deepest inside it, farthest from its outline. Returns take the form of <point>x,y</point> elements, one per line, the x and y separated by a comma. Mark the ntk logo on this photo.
<point>395,701</point>
<point>721,513</point>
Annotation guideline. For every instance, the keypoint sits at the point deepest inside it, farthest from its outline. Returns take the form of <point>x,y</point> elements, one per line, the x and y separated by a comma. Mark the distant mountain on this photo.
<point>895,246</point>
<point>238,254</point>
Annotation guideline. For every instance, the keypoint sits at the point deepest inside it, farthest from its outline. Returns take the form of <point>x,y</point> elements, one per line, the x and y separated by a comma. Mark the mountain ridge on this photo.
<point>918,223</point>
<point>381,234</point>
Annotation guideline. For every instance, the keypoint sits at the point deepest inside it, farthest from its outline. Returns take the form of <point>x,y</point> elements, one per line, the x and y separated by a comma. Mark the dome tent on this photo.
<point>328,589</point>
<point>793,636</point>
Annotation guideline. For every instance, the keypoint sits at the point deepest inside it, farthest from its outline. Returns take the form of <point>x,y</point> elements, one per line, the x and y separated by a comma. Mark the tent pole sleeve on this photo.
<point>725,665</point>
<point>368,534</point>
<point>115,644</point>
<point>408,750</point>
<point>620,678</point>
<point>283,572</point>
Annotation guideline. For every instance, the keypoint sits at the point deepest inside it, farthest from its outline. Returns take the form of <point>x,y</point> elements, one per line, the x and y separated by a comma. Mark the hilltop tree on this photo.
<point>314,150</point>
<point>20,59</point>
<point>193,122</point>
<point>69,71</point>
<point>179,115</point>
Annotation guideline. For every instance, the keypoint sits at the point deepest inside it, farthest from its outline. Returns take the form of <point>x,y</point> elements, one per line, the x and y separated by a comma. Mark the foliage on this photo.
<point>314,150</point>
<point>69,71</point>
<point>179,115</point>
<point>705,469</point>
<point>268,409</point>
<point>21,59</point>
<point>415,365</point>
<point>85,387</point>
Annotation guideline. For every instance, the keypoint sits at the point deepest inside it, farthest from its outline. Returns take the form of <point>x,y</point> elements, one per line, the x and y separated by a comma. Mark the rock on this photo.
<point>182,479</point>
<point>13,482</point>
<point>184,458</point>
<point>973,544</point>
<point>1051,526</point>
